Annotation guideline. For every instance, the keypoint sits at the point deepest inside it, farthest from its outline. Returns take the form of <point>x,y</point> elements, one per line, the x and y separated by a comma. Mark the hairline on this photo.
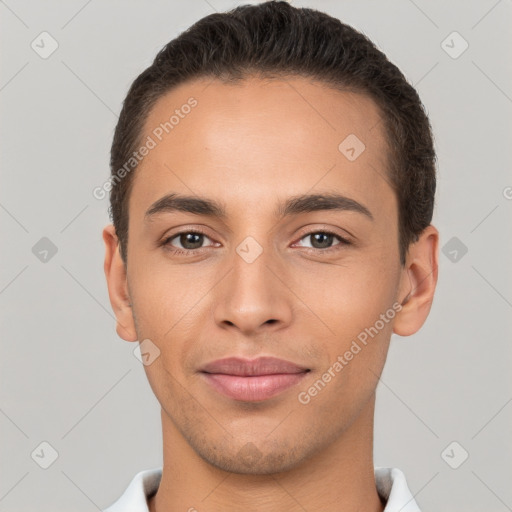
<point>391,159</point>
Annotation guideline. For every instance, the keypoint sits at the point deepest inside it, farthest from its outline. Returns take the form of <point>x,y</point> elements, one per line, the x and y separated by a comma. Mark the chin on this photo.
<point>268,458</point>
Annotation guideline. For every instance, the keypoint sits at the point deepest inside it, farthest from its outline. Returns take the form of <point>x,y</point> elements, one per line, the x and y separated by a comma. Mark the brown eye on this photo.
<point>191,240</point>
<point>186,241</point>
<point>323,240</point>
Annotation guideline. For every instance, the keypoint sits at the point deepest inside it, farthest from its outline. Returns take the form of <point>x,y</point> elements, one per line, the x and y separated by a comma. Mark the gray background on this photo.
<point>67,379</point>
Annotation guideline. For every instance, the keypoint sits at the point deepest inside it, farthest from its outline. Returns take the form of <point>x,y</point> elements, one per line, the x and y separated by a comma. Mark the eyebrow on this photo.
<point>304,203</point>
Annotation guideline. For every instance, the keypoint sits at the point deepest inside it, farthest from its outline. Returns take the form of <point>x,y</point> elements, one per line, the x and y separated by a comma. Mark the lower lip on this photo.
<point>255,388</point>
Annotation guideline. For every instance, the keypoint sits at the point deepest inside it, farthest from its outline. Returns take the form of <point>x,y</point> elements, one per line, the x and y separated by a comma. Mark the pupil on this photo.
<point>323,238</point>
<point>188,239</point>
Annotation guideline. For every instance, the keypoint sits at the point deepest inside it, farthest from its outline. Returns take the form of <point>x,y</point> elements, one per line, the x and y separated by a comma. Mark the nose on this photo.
<point>253,297</point>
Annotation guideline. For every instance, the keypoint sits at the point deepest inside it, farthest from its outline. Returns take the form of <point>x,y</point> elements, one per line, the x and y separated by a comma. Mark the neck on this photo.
<point>338,479</point>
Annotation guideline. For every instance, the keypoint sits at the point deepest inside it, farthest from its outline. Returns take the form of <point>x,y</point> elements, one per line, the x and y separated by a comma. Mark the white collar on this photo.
<point>390,482</point>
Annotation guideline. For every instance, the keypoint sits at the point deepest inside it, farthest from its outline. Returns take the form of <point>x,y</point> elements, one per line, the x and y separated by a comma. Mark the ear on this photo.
<point>418,283</point>
<point>115,272</point>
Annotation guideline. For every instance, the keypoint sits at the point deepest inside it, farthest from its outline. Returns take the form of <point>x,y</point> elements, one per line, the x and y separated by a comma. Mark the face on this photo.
<point>260,270</point>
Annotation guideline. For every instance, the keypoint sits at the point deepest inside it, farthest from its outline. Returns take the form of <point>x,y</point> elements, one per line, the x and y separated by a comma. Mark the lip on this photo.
<point>252,380</point>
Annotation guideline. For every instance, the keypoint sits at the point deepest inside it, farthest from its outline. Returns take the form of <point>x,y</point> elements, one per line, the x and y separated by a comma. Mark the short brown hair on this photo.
<point>275,39</point>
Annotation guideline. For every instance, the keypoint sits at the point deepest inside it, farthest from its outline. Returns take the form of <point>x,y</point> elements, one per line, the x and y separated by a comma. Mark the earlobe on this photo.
<point>419,279</point>
<point>115,273</point>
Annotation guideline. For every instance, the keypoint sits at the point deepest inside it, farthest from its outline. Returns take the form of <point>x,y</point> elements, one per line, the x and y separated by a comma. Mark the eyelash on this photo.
<point>192,252</point>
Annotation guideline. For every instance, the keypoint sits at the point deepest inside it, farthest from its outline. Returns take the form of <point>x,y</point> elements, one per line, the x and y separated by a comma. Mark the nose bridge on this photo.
<point>252,295</point>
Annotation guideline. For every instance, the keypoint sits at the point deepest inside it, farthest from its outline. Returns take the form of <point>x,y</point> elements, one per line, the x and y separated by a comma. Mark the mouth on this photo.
<point>252,380</point>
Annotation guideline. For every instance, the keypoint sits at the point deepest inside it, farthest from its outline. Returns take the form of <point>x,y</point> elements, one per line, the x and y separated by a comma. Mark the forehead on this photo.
<point>247,141</point>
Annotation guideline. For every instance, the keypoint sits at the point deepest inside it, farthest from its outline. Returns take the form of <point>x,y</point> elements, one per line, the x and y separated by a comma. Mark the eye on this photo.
<point>323,240</point>
<point>187,242</point>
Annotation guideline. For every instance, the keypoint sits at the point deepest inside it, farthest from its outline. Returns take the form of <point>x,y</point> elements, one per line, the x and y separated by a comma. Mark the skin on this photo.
<point>251,145</point>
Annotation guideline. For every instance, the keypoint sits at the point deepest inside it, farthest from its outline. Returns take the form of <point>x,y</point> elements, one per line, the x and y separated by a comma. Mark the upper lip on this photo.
<point>252,367</point>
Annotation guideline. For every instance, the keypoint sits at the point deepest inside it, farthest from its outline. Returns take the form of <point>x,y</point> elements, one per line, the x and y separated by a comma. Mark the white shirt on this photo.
<point>390,482</point>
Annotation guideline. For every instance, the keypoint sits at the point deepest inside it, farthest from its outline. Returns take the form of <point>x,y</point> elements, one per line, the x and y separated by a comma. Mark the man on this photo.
<point>272,188</point>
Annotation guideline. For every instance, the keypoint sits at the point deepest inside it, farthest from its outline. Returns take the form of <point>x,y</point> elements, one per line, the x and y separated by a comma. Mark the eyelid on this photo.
<point>345,236</point>
<point>343,241</point>
<point>166,239</point>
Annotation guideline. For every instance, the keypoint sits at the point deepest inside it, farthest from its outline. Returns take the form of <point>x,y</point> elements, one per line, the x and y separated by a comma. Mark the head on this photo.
<point>281,207</point>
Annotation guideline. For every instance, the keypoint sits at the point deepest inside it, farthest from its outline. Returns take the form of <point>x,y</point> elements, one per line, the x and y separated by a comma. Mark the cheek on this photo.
<point>346,298</point>
<point>170,306</point>
<point>168,298</point>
